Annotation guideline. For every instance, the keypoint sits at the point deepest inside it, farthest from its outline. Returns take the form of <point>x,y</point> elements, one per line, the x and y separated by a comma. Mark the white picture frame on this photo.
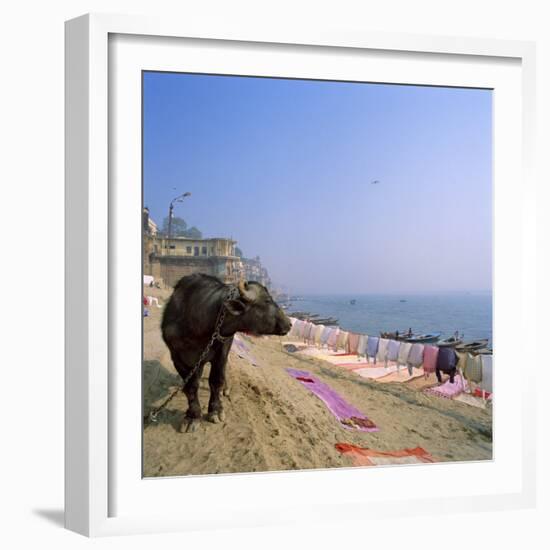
<point>97,396</point>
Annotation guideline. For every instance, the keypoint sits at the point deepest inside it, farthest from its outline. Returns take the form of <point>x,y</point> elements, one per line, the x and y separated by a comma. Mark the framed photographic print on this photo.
<point>297,272</point>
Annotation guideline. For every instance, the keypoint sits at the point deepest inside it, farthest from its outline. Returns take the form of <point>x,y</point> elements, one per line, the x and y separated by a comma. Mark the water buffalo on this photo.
<point>189,320</point>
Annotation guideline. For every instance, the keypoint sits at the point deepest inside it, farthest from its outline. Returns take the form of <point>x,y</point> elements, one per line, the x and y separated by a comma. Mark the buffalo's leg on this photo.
<point>194,413</point>
<point>217,383</point>
<point>191,391</point>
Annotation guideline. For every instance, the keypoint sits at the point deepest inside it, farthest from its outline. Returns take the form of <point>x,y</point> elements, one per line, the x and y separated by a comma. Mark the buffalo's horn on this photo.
<point>246,294</point>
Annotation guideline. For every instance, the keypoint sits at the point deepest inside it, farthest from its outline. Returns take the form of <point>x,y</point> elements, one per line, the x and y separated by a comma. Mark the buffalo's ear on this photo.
<point>235,307</point>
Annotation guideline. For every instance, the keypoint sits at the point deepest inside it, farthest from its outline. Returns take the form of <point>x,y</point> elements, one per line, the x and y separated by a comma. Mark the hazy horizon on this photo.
<point>285,167</point>
<point>403,293</point>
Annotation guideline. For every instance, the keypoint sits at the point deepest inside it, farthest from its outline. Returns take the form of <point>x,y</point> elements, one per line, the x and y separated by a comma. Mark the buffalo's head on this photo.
<point>255,311</point>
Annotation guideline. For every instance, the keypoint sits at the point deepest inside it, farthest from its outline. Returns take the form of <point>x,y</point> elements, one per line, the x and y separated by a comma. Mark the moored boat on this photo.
<point>423,338</point>
<point>450,342</point>
<point>327,321</point>
<point>304,315</point>
<point>473,346</point>
<point>403,335</point>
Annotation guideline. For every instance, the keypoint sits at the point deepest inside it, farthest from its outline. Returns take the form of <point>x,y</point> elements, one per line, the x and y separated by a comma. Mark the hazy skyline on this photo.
<point>285,167</point>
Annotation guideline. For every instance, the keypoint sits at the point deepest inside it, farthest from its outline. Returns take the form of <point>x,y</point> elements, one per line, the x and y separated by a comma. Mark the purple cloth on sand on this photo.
<point>334,402</point>
<point>372,346</point>
<point>393,350</point>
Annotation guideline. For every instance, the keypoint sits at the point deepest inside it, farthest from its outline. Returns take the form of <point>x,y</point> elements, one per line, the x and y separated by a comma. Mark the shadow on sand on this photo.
<point>158,383</point>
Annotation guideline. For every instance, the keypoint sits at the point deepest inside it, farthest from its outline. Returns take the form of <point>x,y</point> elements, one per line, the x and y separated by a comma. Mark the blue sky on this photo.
<point>285,168</point>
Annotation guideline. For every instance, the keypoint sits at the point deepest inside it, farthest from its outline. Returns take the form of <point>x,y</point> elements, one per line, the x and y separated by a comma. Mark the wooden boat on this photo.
<point>423,338</point>
<point>473,346</point>
<point>403,335</point>
<point>449,342</point>
<point>325,321</point>
<point>304,315</point>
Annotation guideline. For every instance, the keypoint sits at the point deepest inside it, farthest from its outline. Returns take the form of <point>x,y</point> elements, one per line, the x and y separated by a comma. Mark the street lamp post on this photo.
<point>179,198</point>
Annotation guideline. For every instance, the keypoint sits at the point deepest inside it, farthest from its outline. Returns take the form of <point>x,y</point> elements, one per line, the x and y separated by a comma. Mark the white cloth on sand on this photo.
<point>486,373</point>
<point>404,350</point>
<point>382,353</point>
<point>375,372</point>
<point>362,345</point>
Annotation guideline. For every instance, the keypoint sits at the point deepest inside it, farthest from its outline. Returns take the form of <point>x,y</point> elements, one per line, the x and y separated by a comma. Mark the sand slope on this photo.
<point>274,423</point>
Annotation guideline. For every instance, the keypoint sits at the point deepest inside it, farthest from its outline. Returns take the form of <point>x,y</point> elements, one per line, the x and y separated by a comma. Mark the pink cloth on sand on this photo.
<point>333,338</point>
<point>447,389</point>
<point>353,342</point>
<point>430,358</point>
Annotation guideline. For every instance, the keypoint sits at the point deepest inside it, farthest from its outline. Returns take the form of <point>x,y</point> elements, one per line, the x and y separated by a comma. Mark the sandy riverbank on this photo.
<point>274,423</point>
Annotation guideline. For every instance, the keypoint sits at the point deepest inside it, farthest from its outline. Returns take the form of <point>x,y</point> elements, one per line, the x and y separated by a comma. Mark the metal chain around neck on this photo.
<point>232,294</point>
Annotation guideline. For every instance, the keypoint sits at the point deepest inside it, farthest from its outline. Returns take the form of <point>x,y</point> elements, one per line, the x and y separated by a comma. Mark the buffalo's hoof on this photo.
<point>216,417</point>
<point>190,425</point>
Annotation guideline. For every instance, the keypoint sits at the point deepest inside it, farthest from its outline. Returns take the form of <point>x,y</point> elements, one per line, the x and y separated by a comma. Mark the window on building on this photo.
<point>196,250</point>
<point>211,250</point>
<point>189,249</point>
<point>204,250</point>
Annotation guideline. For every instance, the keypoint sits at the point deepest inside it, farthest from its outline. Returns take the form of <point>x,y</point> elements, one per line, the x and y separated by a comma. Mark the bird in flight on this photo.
<point>374,182</point>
